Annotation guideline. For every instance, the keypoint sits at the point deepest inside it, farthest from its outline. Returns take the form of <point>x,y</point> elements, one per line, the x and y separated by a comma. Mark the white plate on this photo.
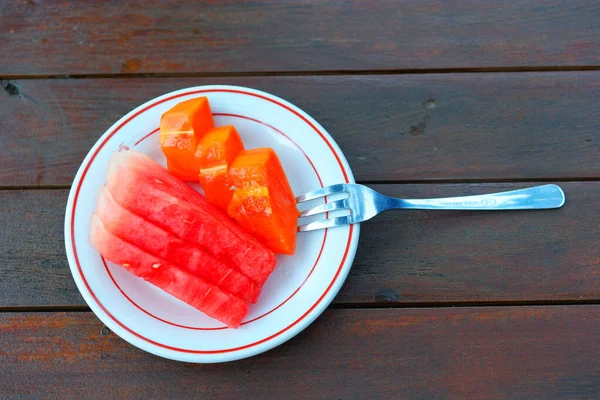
<point>298,291</point>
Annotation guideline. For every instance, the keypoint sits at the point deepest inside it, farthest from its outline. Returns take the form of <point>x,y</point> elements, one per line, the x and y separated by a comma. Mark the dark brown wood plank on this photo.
<point>408,257</point>
<point>429,256</point>
<point>89,37</point>
<point>406,127</point>
<point>33,250</point>
<point>491,353</point>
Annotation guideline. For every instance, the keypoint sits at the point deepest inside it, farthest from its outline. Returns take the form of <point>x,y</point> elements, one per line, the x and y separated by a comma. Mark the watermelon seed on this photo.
<point>187,221</point>
<point>157,265</point>
<point>158,180</point>
<point>126,265</point>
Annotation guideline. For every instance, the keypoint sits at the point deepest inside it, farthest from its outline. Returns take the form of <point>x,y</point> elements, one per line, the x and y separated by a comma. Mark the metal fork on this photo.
<point>364,203</point>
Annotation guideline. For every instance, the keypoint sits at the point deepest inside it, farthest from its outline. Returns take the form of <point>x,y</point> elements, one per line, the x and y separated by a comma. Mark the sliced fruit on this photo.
<point>172,279</point>
<point>223,143</point>
<point>181,128</point>
<point>158,242</point>
<point>152,172</point>
<point>143,187</point>
<point>263,202</point>
<point>215,152</point>
<point>215,182</point>
<point>178,171</point>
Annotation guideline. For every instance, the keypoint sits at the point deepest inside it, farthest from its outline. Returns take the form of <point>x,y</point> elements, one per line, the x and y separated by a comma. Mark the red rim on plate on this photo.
<point>151,105</point>
<point>272,309</point>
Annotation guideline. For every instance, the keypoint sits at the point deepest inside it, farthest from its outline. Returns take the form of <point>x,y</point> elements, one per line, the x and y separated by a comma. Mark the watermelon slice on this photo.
<point>145,188</point>
<point>156,241</point>
<point>174,280</point>
<point>153,172</point>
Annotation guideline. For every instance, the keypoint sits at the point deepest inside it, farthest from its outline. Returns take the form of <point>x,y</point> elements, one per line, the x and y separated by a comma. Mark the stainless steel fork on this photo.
<point>364,203</point>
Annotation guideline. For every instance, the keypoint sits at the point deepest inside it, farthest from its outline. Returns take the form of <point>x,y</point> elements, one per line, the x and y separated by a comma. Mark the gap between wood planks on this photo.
<point>414,71</point>
<point>359,306</point>
<point>375,182</point>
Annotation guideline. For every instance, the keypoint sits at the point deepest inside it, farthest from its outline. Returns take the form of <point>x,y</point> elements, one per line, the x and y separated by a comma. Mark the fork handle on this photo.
<point>537,197</point>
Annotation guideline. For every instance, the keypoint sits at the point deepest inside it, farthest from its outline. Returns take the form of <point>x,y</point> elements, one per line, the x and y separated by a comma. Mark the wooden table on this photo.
<point>425,98</point>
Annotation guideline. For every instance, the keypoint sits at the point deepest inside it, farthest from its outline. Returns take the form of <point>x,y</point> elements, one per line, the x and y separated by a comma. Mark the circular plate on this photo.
<point>297,292</point>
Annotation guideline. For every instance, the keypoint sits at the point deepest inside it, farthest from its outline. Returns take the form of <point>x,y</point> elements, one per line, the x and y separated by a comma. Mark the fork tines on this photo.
<point>337,205</point>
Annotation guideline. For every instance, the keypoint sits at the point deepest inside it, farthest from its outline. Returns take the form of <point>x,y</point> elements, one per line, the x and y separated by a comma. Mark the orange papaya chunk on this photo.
<point>215,152</point>
<point>215,182</point>
<point>263,202</point>
<point>181,128</point>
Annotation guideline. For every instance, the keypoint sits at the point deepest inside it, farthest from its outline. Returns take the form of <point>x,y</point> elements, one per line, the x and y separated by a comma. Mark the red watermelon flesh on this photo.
<point>132,180</point>
<point>156,241</point>
<point>174,280</point>
<point>153,172</point>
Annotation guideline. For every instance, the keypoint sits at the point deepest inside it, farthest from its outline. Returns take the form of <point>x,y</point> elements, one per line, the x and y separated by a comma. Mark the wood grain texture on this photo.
<point>405,127</point>
<point>491,353</point>
<point>408,257</point>
<point>33,250</point>
<point>429,256</point>
<point>87,37</point>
